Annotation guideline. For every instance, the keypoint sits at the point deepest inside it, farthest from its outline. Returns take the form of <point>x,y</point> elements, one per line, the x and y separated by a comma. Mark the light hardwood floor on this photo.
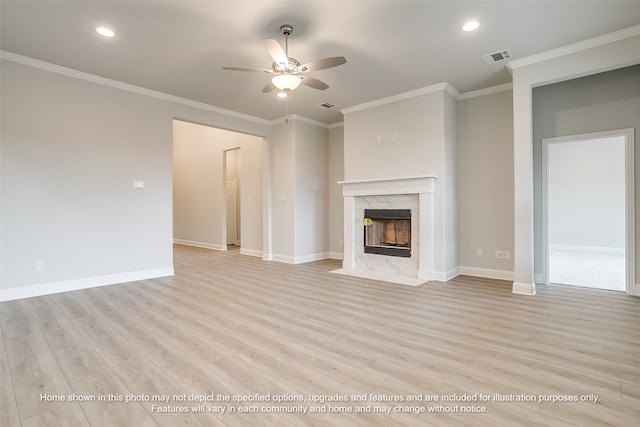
<point>232,325</point>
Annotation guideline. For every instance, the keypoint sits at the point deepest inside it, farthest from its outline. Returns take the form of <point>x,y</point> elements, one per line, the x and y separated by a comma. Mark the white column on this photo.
<point>349,260</point>
<point>426,232</point>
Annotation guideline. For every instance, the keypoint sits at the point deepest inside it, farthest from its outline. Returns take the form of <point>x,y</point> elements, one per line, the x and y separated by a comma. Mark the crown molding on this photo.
<point>575,47</point>
<point>69,72</point>
<point>400,97</point>
<point>336,125</point>
<point>486,91</point>
<point>299,118</point>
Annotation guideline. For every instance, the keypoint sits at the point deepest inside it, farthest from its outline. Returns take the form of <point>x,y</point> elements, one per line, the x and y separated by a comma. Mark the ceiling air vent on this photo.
<point>327,105</point>
<point>501,55</point>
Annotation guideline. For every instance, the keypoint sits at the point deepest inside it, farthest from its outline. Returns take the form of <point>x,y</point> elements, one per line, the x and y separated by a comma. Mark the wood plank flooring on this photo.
<point>277,336</point>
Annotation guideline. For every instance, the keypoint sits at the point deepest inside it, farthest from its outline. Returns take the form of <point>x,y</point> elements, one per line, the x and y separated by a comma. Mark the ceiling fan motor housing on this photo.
<point>286,29</point>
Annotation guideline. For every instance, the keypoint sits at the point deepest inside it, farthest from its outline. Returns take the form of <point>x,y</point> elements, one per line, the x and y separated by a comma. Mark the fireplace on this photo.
<point>387,232</point>
<point>406,207</point>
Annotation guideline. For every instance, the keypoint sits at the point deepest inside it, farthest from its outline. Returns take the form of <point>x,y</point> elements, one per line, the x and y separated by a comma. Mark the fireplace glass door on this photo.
<point>387,232</point>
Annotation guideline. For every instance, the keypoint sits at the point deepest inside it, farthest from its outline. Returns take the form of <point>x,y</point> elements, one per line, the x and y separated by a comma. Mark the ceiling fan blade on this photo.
<point>263,70</point>
<point>269,87</point>
<point>314,83</point>
<point>323,64</point>
<point>275,50</point>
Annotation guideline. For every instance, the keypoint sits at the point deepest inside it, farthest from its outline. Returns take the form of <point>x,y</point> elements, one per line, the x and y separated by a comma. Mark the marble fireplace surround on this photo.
<point>415,193</point>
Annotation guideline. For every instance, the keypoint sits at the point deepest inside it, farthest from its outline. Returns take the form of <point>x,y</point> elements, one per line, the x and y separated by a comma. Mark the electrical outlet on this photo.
<point>40,266</point>
<point>507,254</point>
<point>499,254</point>
<point>341,242</point>
<point>479,253</point>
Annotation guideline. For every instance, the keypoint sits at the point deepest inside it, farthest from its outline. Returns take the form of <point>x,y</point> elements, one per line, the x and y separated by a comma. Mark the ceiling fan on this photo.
<point>289,73</point>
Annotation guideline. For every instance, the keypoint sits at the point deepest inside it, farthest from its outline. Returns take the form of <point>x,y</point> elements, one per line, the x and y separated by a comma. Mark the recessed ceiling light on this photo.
<point>104,31</point>
<point>471,26</point>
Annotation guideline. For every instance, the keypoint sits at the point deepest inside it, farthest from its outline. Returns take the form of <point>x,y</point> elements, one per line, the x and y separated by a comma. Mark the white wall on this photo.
<point>426,145</point>
<point>587,193</point>
<point>418,149</point>
<point>199,186</point>
<point>72,145</point>
<point>300,191</point>
<point>283,191</point>
<point>312,192</point>
<point>336,200</point>
<point>450,184</point>
<point>485,173</point>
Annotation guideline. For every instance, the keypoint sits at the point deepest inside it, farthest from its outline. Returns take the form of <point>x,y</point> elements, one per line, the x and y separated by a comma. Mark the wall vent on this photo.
<point>327,105</point>
<point>501,55</point>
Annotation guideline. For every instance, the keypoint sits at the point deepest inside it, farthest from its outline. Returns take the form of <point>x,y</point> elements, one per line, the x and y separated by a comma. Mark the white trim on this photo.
<point>250,252</point>
<point>377,187</point>
<point>630,236</point>
<point>203,245</point>
<point>486,91</point>
<point>336,255</point>
<point>281,258</point>
<point>19,59</point>
<point>575,47</point>
<point>311,258</point>
<point>520,288</point>
<point>336,125</point>
<point>444,276</point>
<point>400,97</point>
<point>86,283</point>
<point>302,119</point>
<point>297,260</point>
<point>487,273</point>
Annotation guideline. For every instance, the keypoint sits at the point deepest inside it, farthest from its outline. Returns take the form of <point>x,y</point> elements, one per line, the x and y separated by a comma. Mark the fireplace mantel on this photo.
<point>380,187</point>
<point>383,193</point>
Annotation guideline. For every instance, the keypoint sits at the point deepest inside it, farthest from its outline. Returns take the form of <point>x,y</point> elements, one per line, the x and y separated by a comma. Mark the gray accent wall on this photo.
<point>599,102</point>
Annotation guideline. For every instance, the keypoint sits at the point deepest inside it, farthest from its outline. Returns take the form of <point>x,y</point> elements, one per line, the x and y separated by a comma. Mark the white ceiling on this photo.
<point>179,47</point>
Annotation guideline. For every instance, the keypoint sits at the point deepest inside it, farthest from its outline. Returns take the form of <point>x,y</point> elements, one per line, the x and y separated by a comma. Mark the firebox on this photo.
<point>387,232</point>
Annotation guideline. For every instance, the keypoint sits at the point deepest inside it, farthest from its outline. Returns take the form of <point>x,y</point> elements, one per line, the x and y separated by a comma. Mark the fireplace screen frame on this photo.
<point>386,215</point>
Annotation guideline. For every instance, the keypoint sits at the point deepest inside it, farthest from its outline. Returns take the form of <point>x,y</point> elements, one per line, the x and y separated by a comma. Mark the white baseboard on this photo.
<point>74,285</point>
<point>282,258</point>
<point>488,273</point>
<point>203,245</point>
<point>250,252</point>
<point>444,276</point>
<point>336,255</point>
<point>300,260</point>
<point>521,288</point>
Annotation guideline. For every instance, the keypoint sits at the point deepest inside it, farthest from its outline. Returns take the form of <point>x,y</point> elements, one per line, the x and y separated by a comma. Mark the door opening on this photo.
<point>232,201</point>
<point>588,221</point>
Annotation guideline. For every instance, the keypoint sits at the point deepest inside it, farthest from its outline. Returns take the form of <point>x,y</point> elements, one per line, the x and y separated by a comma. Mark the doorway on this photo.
<point>588,225</point>
<point>232,202</point>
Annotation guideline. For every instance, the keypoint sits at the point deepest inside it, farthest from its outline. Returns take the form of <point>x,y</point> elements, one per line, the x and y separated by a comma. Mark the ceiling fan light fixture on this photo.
<point>471,26</point>
<point>104,31</point>
<point>281,95</point>
<point>286,82</point>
